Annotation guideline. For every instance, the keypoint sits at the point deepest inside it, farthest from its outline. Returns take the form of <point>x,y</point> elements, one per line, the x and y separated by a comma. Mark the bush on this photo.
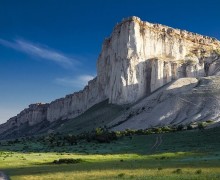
<point>149,131</point>
<point>129,132</point>
<point>121,175</point>
<point>163,157</point>
<point>178,171</point>
<point>166,129</point>
<point>199,171</point>
<point>67,161</point>
<point>99,131</point>
<point>157,130</point>
<point>180,127</point>
<point>102,135</point>
<point>201,126</point>
<point>118,133</point>
<point>140,132</point>
<point>189,127</point>
<point>71,139</point>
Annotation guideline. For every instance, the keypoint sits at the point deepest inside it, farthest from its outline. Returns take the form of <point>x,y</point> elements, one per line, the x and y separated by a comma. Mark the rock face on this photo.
<point>140,57</point>
<point>183,101</point>
<point>34,114</point>
<point>74,104</point>
<point>136,60</point>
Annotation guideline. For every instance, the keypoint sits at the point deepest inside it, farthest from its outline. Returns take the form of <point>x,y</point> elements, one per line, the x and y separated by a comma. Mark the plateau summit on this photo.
<point>160,74</point>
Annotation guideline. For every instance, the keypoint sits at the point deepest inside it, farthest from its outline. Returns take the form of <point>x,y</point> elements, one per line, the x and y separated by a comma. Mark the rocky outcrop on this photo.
<point>135,61</point>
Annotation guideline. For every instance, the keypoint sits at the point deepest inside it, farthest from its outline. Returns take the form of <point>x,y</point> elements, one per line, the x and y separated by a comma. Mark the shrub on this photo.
<point>99,131</point>
<point>163,157</point>
<point>157,130</point>
<point>140,132</point>
<point>67,161</point>
<point>180,127</point>
<point>178,171</point>
<point>189,127</point>
<point>102,135</point>
<point>201,125</point>
<point>129,132</point>
<point>199,171</point>
<point>121,175</point>
<point>71,139</point>
<point>149,131</point>
<point>166,129</point>
<point>118,133</point>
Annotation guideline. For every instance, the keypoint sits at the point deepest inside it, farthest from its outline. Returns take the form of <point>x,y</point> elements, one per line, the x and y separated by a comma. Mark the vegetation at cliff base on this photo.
<point>192,154</point>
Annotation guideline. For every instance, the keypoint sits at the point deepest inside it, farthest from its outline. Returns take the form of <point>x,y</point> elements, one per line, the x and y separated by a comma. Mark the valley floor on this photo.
<point>180,155</point>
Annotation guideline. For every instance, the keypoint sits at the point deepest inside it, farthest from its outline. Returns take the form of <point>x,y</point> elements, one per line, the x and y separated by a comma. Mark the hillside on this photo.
<point>141,65</point>
<point>185,101</point>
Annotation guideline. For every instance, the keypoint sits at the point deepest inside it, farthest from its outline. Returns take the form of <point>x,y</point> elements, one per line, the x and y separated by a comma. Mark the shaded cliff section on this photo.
<point>136,60</point>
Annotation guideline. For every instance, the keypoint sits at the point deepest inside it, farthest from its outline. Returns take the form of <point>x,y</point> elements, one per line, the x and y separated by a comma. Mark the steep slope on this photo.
<point>184,101</point>
<point>137,59</point>
<point>97,116</point>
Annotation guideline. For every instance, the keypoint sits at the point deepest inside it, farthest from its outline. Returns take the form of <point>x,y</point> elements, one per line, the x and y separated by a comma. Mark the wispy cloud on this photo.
<point>38,51</point>
<point>77,82</point>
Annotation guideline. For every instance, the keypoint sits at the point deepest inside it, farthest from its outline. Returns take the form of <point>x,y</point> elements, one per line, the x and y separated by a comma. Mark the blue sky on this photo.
<point>49,48</point>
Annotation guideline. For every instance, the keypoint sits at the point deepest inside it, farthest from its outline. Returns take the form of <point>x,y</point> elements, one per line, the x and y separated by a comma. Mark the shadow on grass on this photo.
<point>120,164</point>
<point>185,141</point>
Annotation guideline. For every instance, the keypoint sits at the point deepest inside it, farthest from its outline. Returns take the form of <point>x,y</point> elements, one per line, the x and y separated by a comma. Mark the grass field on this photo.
<point>180,155</point>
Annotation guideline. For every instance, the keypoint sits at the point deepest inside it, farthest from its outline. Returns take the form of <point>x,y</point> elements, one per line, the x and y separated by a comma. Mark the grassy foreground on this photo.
<point>179,155</point>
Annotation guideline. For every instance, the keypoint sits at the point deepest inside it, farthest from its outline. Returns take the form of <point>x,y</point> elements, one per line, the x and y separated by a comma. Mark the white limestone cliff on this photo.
<point>140,57</point>
<point>74,104</point>
<point>32,115</point>
<point>136,60</point>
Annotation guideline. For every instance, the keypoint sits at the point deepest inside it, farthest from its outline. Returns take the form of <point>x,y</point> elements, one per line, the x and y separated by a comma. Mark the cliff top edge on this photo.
<point>168,29</point>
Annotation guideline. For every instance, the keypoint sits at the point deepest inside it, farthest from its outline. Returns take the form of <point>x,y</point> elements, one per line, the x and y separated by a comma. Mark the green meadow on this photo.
<point>193,154</point>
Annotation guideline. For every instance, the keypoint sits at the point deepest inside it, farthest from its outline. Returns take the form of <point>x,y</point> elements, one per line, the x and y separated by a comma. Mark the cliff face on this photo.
<point>136,60</point>
<point>74,104</point>
<point>140,57</point>
<point>32,115</point>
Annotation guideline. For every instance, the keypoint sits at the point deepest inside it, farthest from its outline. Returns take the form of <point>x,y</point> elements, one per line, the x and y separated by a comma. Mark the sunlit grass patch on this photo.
<point>195,153</point>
